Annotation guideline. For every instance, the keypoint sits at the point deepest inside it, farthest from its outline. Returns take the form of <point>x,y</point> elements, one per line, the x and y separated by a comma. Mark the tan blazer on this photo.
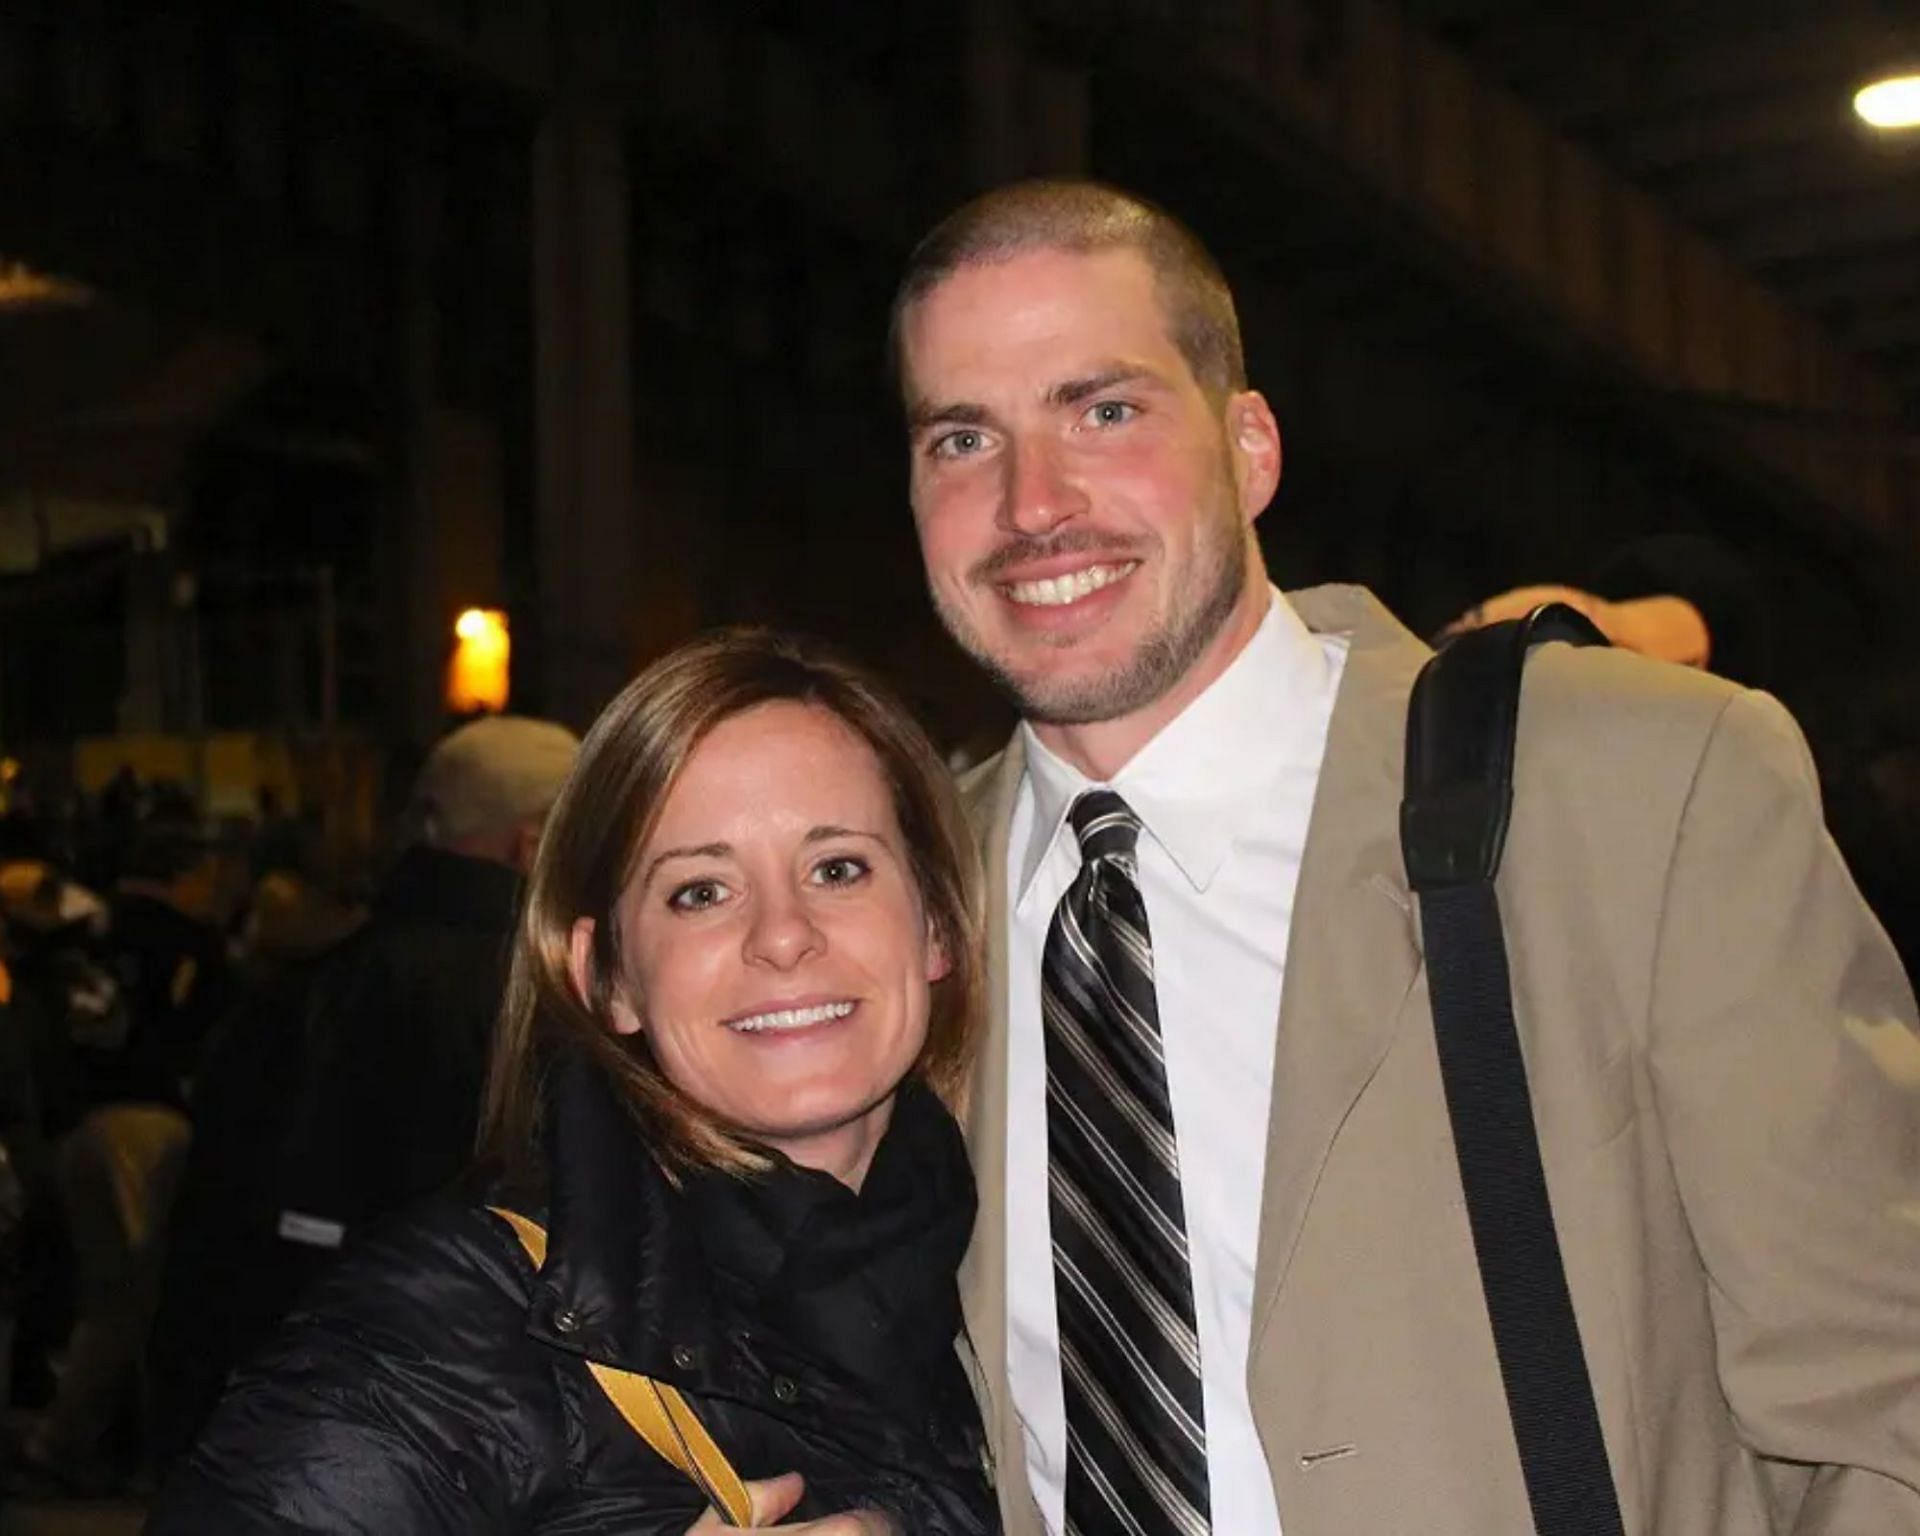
<point>1726,1072</point>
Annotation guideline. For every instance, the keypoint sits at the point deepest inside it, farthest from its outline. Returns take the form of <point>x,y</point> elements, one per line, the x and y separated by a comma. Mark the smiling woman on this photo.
<point>774,951</point>
<point>728,756</point>
<point>744,991</point>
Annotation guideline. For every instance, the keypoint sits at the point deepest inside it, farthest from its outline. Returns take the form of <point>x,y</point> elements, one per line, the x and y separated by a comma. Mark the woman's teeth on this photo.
<point>1053,591</point>
<point>791,1018</point>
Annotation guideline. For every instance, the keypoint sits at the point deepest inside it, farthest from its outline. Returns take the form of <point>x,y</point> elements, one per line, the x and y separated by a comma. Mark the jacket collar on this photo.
<point>621,1279</point>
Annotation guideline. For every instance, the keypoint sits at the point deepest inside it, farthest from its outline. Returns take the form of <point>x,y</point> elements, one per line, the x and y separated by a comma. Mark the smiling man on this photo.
<point>1223,1278</point>
<point>1103,621</point>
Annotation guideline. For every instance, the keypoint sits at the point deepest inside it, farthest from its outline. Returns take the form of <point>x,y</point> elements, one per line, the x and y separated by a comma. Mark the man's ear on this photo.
<point>1255,436</point>
<point>580,972</point>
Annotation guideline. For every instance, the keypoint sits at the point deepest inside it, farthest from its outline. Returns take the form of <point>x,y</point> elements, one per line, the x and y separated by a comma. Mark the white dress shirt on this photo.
<point>1224,794</point>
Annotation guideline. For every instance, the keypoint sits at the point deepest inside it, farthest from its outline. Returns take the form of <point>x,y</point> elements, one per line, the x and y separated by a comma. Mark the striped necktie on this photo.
<point>1129,1349</point>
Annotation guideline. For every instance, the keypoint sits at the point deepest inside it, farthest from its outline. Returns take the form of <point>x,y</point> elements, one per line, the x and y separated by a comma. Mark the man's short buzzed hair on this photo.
<point>1085,217</point>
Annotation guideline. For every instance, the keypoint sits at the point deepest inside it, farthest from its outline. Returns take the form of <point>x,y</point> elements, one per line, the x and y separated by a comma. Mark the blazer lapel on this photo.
<point>983,1274</point>
<point>1352,958</point>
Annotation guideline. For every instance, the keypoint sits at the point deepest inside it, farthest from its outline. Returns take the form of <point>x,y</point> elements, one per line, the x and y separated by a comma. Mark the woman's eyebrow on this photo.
<point>692,851</point>
<point>824,834</point>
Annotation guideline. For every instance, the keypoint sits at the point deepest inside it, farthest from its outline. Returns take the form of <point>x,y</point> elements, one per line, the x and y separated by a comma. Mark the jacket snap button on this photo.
<point>566,1321</point>
<point>685,1357</point>
<point>784,1389</point>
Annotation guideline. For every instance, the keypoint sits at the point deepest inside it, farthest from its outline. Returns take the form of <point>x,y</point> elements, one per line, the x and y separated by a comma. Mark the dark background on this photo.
<point>322,321</point>
<point>577,309</point>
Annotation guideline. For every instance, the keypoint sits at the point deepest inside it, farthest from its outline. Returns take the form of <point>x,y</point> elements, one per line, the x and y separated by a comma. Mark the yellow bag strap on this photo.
<point>656,1409</point>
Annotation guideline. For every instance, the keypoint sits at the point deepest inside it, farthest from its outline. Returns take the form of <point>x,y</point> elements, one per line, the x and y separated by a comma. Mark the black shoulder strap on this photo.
<point>1453,827</point>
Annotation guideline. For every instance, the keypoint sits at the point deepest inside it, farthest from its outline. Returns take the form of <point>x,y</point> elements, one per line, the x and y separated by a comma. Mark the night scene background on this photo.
<point>323,323</point>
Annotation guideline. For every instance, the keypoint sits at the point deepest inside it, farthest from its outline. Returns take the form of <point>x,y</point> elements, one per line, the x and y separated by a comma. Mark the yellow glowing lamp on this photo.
<point>1891,103</point>
<point>477,674</point>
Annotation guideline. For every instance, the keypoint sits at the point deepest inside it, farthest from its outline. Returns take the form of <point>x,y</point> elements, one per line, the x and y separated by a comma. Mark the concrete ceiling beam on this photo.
<point>1541,219</point>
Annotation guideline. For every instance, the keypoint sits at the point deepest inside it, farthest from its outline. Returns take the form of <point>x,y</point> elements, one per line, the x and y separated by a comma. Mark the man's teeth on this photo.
<point>791,1018</point>
<point>1053,591</point>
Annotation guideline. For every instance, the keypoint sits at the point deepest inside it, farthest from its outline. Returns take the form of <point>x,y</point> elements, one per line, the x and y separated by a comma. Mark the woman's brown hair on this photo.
<point>627,767</point>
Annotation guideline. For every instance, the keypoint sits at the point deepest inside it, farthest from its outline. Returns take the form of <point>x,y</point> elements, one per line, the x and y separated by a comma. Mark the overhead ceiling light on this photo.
<point>1890,103</point>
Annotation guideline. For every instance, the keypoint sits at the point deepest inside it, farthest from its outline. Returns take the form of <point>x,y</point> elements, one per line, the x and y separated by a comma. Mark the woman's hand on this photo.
<point>772,1497</point>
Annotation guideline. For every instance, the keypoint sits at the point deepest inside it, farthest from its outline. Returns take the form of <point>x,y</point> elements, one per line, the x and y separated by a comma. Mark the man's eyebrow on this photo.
<point>926,413</point>
<point>923,413</point>
<point>692,851</point>
<point>1073,391</point>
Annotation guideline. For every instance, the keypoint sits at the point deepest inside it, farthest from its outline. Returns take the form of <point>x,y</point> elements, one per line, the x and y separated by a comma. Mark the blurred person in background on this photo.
<point>1678,597</point>
<point>65,995</point>
<point>123,996</point>
<point>166,939</point>
<point>1688,599</point>
<point>63,1000</point>
<point>25,1163</point>
<point>302,897</point>
<point>350,1086</point>
<point>746,983</point>
<point>289,918</point>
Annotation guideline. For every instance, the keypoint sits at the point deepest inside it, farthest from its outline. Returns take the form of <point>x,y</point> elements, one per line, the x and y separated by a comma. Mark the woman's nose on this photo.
<point>782,932</point>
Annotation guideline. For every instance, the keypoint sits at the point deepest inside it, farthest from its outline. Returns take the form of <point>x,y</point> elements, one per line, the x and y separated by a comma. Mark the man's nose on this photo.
<point>1040,492</point>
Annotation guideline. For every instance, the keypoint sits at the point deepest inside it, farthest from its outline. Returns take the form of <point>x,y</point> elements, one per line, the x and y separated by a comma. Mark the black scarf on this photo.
<point>866,1280</point>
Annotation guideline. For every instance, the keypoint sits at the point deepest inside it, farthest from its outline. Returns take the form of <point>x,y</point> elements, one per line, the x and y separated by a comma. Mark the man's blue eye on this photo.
<point>958,444</point>
<point>1110,413</point>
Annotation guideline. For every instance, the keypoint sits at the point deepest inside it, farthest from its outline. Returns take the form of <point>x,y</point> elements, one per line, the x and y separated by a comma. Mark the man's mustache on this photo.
<point>1025,551</point>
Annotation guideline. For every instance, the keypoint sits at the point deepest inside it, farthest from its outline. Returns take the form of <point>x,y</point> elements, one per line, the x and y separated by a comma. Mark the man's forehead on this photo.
<point>1017,277</point>
<point>1051,316</point>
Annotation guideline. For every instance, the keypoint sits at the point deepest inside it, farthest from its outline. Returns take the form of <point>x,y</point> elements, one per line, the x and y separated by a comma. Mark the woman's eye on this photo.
<point>842,869</point>
<point>1110,413</point>
<point>697,896</point>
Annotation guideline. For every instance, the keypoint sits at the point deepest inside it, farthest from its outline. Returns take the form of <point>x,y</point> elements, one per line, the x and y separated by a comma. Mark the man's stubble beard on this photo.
<point>1161,658</point>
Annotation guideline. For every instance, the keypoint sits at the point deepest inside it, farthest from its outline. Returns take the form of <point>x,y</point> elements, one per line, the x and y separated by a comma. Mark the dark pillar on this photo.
<point>590,538</point>
<point>1027,114</point>
<point>454,527</point>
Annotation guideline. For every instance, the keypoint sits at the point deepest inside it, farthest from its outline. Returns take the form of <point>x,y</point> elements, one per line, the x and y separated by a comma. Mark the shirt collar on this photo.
<point>1224,748</point>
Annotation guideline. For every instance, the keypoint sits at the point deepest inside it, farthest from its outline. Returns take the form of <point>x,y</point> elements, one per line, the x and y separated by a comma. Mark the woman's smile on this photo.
<point>790,1017</point>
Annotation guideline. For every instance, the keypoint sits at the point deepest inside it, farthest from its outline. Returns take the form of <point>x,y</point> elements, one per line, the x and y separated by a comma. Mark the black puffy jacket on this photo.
<point>434,1382</point>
